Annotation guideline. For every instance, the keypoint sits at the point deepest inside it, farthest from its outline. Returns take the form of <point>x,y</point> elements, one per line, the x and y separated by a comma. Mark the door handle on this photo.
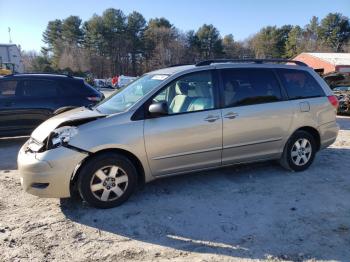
<point>211,118</point>
<point>231,115</point>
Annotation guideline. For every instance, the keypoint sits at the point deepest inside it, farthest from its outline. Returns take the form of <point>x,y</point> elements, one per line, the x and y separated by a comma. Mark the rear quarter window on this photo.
<point>75,88</point>
<point>299,84</point>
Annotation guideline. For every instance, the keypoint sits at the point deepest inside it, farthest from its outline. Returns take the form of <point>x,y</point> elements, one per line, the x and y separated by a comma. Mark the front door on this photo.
<point>189,137</point>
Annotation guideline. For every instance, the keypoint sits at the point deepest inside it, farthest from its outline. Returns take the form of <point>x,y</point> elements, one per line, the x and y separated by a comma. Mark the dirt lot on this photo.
<point>253,212</point>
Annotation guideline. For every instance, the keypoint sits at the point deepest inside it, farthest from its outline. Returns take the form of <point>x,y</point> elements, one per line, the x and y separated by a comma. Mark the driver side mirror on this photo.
<point>158,109</point>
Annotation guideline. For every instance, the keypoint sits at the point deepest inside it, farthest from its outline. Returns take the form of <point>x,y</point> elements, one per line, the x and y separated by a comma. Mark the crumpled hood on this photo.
<point>81,113</point>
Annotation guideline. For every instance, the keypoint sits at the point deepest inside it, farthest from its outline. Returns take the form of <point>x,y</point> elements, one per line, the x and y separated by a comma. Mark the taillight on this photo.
<point>94,98</point>
<point>334,101</point>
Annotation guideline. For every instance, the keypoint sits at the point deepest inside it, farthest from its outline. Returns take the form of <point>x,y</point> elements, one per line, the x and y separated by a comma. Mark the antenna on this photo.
<point>10,40</point>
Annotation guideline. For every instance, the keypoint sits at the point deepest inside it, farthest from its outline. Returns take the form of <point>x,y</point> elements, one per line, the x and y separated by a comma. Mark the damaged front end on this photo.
<point>59,130</point>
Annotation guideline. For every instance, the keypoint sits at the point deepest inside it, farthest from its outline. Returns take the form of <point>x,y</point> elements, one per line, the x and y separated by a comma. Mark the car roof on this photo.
<point>218,65</point>
<point>172,70</point>
<point>41,75</point>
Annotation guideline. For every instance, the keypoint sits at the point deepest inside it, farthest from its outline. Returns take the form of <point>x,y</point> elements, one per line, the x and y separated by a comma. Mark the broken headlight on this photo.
<point>62,135</point>
<point>33,145</point>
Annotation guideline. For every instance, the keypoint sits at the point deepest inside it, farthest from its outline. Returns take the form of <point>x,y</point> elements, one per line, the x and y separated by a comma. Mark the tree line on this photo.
<point>115,43</point>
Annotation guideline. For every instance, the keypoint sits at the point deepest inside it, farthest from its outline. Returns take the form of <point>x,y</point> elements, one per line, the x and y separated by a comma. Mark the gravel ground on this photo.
<point>244,213</point>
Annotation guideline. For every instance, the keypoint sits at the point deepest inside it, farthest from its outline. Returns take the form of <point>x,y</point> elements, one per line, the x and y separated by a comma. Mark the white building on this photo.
<point>326,62</point>
<point>9,53</point>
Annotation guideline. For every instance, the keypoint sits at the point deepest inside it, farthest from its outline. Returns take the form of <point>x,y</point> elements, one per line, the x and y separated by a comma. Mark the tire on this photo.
<point>291,153</point>
<point>107,180</point>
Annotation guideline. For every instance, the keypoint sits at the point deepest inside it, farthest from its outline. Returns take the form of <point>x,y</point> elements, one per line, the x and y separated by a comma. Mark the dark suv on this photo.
<point>26,100</point>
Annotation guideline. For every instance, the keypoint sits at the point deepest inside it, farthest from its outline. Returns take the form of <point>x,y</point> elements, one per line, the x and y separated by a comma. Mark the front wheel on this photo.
<point>299,152</point>
<point>107,180</point>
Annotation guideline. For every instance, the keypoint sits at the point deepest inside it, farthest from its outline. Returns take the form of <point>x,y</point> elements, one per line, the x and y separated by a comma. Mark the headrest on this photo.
<point>181,88</point>
<point>203,90</point>
<point>231,85</point>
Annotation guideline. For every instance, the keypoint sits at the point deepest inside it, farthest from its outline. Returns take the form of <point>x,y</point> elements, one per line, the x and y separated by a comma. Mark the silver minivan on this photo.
<point>179,120</point>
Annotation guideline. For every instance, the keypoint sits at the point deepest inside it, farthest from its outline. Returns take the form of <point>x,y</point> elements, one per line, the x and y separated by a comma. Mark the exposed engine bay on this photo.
<point>343,95</point>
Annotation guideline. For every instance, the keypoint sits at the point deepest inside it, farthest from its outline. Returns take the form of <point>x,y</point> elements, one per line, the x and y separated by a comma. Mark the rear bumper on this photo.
<point>328,134</point>
<point>48,174</point>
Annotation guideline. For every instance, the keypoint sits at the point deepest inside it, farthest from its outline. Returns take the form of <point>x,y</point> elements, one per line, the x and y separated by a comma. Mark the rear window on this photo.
<point>8,88</point>
<point>250,86</point>
<point>39,88</point>
<point>299,84</point>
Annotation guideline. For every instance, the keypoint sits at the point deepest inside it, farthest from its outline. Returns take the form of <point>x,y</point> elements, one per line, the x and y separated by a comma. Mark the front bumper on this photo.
<point>48,174</point>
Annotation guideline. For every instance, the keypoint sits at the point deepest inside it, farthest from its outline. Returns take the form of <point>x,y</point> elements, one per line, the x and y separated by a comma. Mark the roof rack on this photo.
<point>54,74</point>
<point>256,61</point>
<point>174,65</point>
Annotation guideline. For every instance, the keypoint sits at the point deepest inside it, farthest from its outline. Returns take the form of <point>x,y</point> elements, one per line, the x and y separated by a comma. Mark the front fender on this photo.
<point>114,133</point>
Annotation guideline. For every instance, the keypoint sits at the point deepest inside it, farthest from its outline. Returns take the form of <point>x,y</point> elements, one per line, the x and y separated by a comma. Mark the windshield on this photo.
<point>129,95</point>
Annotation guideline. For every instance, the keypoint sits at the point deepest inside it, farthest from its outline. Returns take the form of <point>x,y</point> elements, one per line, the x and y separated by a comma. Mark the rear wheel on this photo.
<point>299,152</point>
<point>107,180</point>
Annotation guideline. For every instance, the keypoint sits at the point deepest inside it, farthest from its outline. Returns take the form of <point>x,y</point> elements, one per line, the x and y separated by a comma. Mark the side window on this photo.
<point>74,88</point>
<point>39,88</point>
<point>249,86</point>
<point>299,84</point>
<point>192,92</point>
<point>8,88</point>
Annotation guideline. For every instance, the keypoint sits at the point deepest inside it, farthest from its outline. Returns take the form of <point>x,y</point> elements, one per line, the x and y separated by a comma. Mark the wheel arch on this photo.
<point>312,131</point>
<point>138,165</point>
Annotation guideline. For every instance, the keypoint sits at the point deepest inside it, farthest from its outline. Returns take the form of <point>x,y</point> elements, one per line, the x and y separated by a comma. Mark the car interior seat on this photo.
<point>181,100</point>
<point>203,100</point>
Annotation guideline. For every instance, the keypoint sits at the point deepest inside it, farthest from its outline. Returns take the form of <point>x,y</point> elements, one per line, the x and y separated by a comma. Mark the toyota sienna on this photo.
<point>179,120</point>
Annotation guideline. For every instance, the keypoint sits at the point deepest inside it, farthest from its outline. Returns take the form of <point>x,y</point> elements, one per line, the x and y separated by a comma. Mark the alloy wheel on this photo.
<point>301,152</point>
<point>109,183</point>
